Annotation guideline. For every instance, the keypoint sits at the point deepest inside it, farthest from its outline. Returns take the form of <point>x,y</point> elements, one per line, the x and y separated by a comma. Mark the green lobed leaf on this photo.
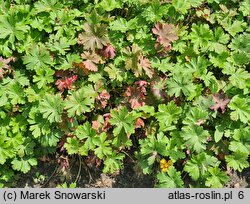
<point>23,164</point>
<point>240,109</point>
<point>216,178</point>
<point>122,120</point>
<point>109,5</point>
<point>238,161</point>
<point>113,162</point>
<point>179,84</point>
<point>200,37</point>
<point>241,142</point>
<point>195,137</point>
<point>51,107</point>
<point>171,179</point>
<point>38,58</point>
<point>79,102</point>
<point>168,116</point>
<point>199,164</point>
<point>103,146</point>
<point>72,145</point>
<point>87,134</point>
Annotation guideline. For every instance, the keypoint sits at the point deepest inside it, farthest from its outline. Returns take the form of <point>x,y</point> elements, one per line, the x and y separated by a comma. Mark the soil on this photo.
<point>51,176</point>
<point>89,177</point>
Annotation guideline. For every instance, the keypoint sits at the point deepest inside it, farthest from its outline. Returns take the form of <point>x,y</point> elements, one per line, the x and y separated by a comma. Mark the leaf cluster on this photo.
<point>140,79</point>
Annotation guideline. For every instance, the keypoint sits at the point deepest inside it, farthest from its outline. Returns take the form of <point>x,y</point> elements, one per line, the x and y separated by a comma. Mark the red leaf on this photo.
<point>139,123</point>
<point>106,125</point>
<point>96,125</point>
<point>89,65</point>
<point>142,85</point>
<point>146,65</point>
<point>103,98</point>
<point>221,100</point>
<point>108,52</point>
<point>137,94</point>
<point>166,34</point>
<point>4,66</point>
<point>66,83</point>
<point>91,61</point>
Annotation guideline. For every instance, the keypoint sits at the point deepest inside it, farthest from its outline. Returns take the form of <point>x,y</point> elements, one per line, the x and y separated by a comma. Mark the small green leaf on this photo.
<point>198,165</point>
<point>171,179</point>
<point>23,164</point>
<point>238,161</point>
<point>168,116</point>
<point>200,36</point>
<point>79,102</point>
<point>109,5</point>
<point>121,24</point>
<point>103,146</point>
<point>37,58</point>
<point>240,78</point>
<point>150,147</point>
<point>113,163</point>
<point>51,106</point>
<point>216,178</point>
<point>179,84</point>
<point>195,137</point>
<point>43,77</point>
<point>60,44</point>
<point>87,134</point>
<point>218,134</point>
<point>72,145</point>
<point>5,151</point>
<point>123,120</point>
<point>241,142</point>
<point>155,11</point>
<point>241,109</point>
<point>51,139</point>
<point>235,27</point>
<point>195,116</point>
<point>245,7</point>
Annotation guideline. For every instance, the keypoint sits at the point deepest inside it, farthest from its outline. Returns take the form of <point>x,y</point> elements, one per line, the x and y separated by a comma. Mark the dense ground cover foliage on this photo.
<point>163,82</point>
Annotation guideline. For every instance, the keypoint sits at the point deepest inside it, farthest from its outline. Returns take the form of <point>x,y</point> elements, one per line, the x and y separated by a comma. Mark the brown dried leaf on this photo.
<point>89,65</point>
<point>92,56</point>
<point>132,55</point>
